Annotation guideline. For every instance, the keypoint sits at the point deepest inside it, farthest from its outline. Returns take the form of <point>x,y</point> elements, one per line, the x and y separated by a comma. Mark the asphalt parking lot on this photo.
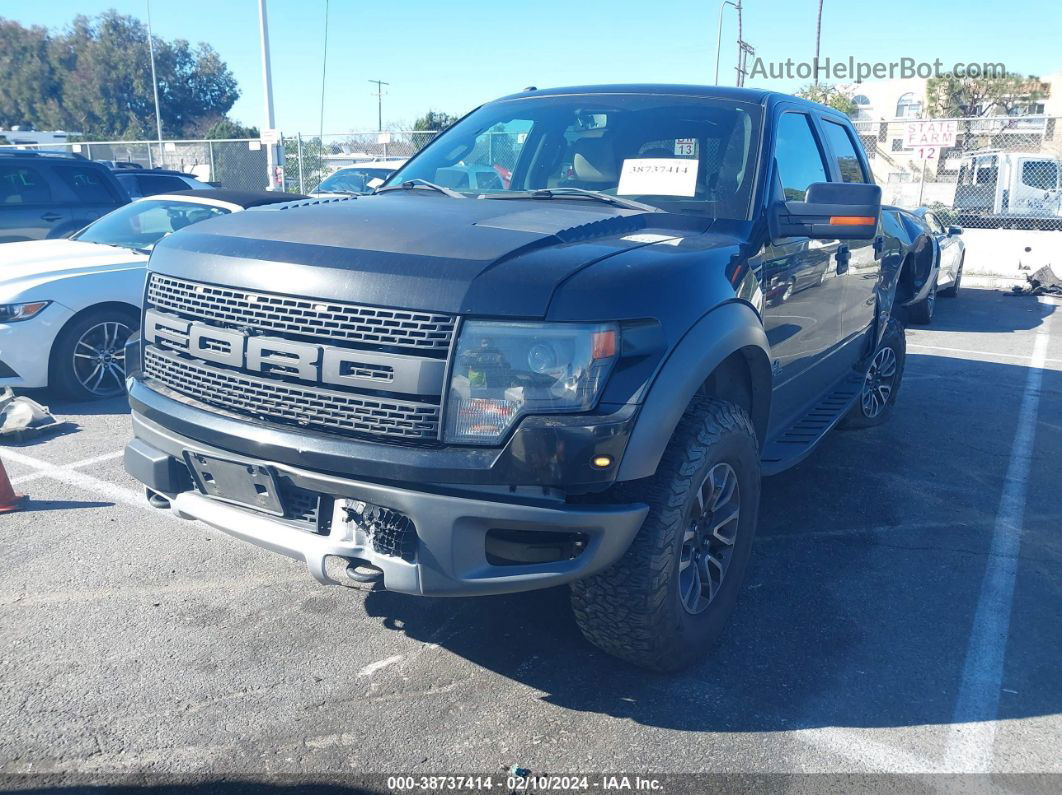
<point>901,614</point>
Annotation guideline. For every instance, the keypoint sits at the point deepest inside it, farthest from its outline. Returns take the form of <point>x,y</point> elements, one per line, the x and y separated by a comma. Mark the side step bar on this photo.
<point>798,440</point>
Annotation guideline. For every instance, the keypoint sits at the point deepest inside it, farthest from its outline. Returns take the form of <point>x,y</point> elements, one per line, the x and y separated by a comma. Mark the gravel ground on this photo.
<point>901,615</point>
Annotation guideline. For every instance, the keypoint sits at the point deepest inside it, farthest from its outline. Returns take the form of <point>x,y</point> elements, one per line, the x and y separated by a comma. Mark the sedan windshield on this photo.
<point>355,180</point>
<point>141,224</point>
<point>678,153</point>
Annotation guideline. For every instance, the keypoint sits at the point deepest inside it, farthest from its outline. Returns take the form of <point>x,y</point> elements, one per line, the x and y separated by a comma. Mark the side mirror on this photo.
<point>830,211</point>
<point>954,231</point>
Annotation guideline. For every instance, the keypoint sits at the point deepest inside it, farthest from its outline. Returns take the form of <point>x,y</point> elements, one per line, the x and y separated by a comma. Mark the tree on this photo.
<point>965,97</point>
<point>95,78</point>
<point>434,121</point>
<point>229,128</point>
<point>29,90</point>
<point>834,96</point>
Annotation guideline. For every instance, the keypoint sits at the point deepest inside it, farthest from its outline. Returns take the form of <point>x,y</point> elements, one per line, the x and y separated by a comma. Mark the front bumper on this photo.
<point>449,557</point>
<point>25,347</point>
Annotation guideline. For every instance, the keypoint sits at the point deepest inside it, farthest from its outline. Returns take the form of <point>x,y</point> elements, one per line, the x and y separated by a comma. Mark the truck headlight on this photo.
<point>12,313</point>
<point>503,371</point>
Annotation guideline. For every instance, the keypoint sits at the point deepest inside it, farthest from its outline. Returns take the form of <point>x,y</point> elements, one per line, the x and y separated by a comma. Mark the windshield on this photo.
<point>682,154</point>
<point>355,180</point>
<point>140,225</point>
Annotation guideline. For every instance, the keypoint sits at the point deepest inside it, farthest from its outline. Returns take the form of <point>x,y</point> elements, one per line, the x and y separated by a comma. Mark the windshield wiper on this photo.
<point>413,184</point>
<point>563,193</point>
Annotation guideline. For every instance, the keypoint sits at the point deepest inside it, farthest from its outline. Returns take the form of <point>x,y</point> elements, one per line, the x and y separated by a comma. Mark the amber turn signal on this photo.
<point>601,461</point>
<point>851,220</point>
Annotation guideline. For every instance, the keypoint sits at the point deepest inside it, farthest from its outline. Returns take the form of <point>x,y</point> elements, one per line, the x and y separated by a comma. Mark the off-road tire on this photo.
<point>859,416</point>
<point>633,609</point>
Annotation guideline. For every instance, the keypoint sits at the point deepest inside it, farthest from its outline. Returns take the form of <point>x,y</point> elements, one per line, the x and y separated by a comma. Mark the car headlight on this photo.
<point>503,371</point>
<point>12,313</point>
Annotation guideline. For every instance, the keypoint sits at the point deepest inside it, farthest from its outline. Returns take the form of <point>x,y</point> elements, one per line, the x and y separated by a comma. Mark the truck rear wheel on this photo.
<point>665,602</point>
<point>881,384</point>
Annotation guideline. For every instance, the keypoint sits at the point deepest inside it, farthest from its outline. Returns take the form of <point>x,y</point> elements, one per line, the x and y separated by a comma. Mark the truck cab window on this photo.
<point>798,156</point>
<point>844,153</point>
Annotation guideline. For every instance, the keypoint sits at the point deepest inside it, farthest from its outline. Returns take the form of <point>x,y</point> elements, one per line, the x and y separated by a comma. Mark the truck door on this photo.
<point>803,306</point>
<point>1035,190</point>
<point>857,262</point>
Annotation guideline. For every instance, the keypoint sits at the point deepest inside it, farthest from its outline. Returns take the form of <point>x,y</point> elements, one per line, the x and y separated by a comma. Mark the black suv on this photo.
<point>52,194</point>
<point>578,376</point>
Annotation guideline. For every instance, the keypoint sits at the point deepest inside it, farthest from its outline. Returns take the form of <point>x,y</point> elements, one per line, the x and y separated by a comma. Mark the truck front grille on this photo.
<point>386,351</point>
<point>290,403</point>
<point>309,317</point>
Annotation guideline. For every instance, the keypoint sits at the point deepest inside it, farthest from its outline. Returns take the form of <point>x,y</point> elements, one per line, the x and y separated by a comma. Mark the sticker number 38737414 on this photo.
<point>658,176</point>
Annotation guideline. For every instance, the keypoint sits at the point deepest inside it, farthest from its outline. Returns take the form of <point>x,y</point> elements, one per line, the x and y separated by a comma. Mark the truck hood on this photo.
<point>29,264</point>
<point>416,250</point>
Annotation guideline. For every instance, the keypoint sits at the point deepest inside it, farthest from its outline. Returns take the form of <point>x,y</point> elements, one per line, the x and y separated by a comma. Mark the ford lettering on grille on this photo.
<point>252,370</point>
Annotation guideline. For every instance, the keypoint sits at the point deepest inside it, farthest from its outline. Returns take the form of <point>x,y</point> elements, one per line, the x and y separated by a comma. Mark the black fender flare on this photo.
<point>729,328</point>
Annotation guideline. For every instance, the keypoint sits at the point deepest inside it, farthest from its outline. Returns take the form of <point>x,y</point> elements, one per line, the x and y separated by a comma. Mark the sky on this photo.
<point>451,55</point>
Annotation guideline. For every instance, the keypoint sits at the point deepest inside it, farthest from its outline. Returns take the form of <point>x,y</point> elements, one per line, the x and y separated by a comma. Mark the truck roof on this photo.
<point>757,96</point>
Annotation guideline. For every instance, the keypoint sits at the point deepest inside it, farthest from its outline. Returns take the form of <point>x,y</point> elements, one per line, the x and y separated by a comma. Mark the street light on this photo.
<point>719,37</point>
<point>267,81</point>
<point>154,80</point>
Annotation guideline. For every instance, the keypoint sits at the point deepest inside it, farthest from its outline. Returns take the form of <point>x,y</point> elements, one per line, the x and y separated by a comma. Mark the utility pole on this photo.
<point>154,80</point>
<point>818,41</point>
<point>267,85</point>
<point>379,103</point>
<point>744,51</point>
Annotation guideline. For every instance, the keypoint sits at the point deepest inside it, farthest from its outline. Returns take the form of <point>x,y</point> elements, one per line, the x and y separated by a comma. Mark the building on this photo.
<point>19,136</point>
<point>882,109</point>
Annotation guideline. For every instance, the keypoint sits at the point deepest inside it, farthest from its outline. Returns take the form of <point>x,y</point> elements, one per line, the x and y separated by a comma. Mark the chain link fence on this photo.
<point>241,164</point>
<point>1003,172</point>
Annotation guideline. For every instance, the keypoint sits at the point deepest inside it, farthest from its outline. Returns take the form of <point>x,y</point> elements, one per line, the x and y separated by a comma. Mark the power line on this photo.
<point>379,102</point>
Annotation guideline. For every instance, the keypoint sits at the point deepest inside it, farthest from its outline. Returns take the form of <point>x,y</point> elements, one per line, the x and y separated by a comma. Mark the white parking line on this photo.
<point>80,480</point>
<point>972,734</point>
<point>983,354</point>
<point>857,747</point>
<point>85,462</point>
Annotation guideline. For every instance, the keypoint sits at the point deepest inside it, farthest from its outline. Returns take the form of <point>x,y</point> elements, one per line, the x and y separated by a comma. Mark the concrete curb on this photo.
<point>992,282</point>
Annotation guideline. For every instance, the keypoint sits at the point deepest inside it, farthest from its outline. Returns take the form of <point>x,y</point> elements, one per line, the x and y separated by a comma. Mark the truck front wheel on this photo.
<point>665,602</point>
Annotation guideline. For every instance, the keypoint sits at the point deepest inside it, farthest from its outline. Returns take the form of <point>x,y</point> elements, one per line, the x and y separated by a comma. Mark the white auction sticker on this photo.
<point>685,147</point>
<point>658,176</point>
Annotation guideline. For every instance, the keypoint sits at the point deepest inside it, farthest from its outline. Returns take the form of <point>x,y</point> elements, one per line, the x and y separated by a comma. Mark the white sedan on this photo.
<point>68,306</point>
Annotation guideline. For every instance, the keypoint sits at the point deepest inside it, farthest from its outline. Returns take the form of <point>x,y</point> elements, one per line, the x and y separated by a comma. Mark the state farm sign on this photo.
<point>941,134</point>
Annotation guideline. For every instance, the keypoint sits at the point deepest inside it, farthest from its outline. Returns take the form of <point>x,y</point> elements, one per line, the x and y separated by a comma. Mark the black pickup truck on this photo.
<point>576,375</point>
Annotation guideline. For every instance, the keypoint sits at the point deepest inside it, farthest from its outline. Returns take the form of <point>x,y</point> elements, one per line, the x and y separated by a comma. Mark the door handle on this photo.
<point>51,217</point>
<point>844,254</point>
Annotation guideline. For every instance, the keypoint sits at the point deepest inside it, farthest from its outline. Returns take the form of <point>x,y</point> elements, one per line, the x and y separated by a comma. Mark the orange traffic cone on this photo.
<point>8,499</point>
